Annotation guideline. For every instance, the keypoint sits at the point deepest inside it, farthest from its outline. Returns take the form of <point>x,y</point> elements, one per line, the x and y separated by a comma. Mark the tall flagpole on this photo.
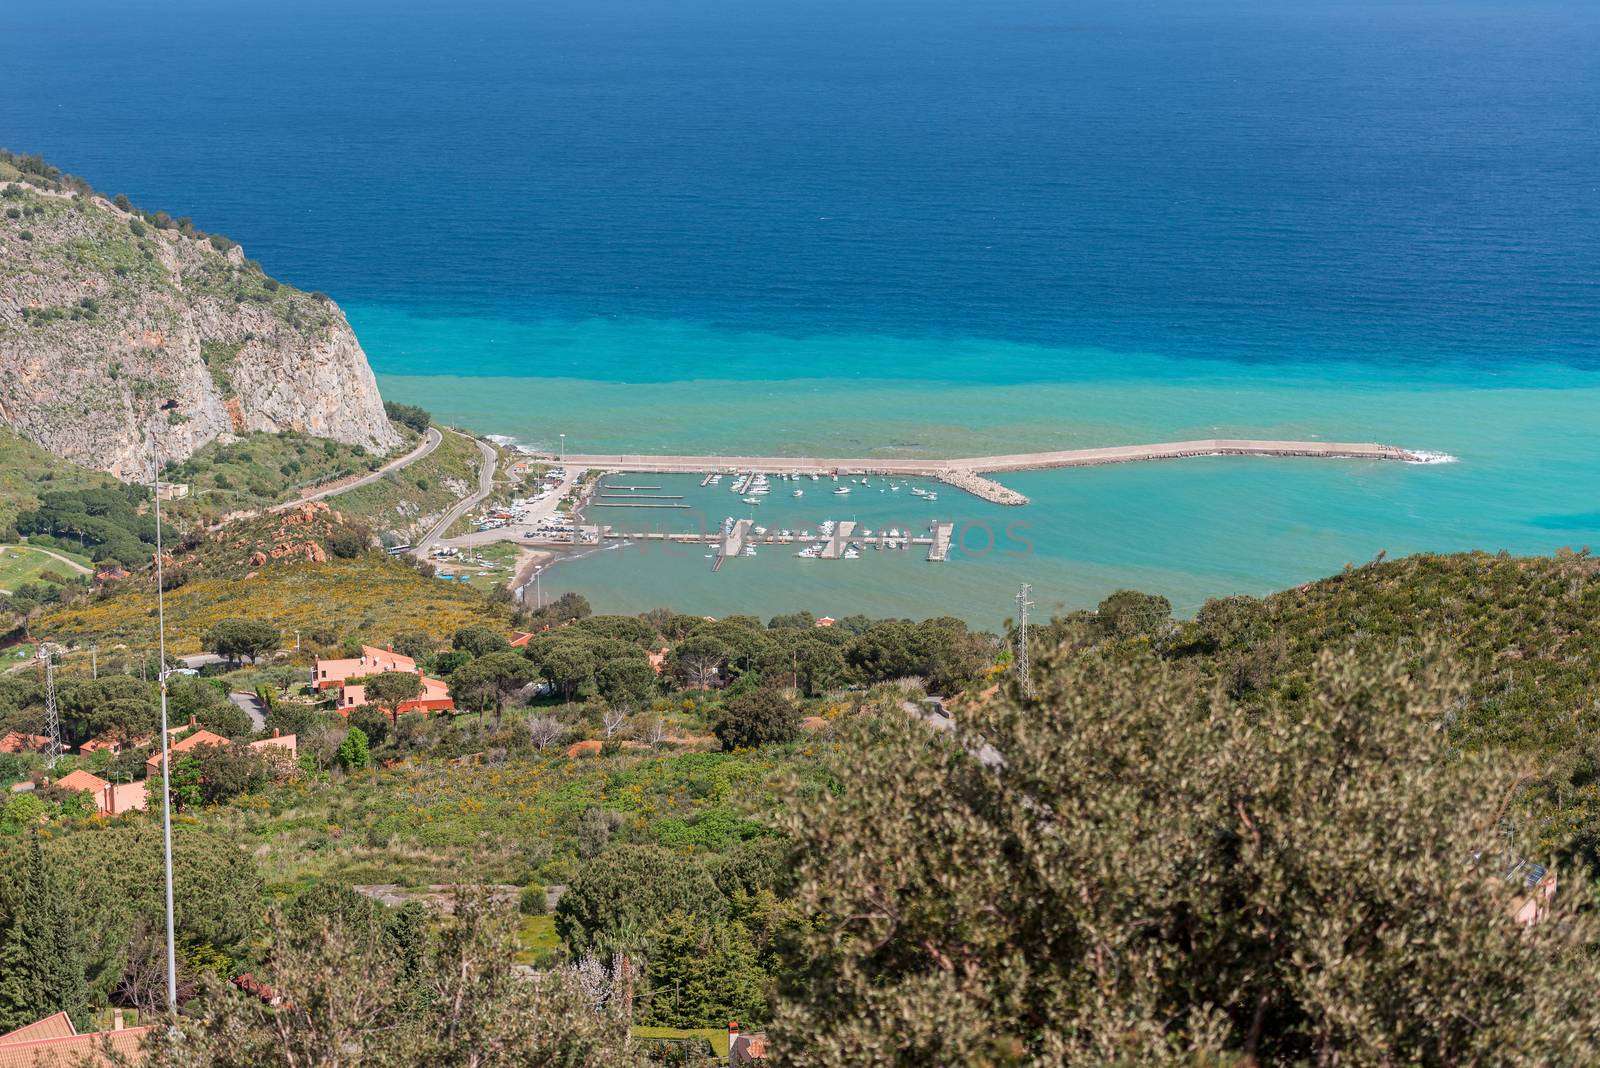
<point>166,742</point>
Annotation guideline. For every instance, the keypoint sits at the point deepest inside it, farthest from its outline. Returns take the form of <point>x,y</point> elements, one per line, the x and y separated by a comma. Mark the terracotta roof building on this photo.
<point>201,736</point>
<point>112,798</point>
<point>334,674</point>
<point>17,742</point>
<point>330,674</point>
<point>435,697</point>
<point>54,1043</point>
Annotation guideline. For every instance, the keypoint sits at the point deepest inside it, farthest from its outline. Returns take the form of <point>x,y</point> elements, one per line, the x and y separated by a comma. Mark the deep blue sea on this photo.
<point>933,227</point>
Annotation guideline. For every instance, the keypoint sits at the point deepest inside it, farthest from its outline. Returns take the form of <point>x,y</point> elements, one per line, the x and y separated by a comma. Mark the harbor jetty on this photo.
<point>967,473</point>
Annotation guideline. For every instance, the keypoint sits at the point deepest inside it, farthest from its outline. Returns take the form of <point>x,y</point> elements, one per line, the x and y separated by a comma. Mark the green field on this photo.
<point>537,937</point>
<point>20,564</point>
<point>717,1036</point>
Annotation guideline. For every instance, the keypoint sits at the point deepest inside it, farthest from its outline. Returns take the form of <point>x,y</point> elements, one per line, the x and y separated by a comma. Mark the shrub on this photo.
<point>353,751</point>
<point>348,542</point>
<point>531,901</point>
<point>408,415</point>
<point>761,717</point>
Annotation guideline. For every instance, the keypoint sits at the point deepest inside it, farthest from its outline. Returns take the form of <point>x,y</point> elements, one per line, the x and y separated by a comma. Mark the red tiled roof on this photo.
<point>17,742</point>
<point>193,741</point>
<point>54,1043</point>
<point>57,1026</point>
<point>81,780</point>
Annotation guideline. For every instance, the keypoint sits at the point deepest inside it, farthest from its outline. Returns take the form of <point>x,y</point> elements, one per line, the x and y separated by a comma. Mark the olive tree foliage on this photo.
<point>349,1001</point>
<point>1141,872</point>
<point>620,895</point>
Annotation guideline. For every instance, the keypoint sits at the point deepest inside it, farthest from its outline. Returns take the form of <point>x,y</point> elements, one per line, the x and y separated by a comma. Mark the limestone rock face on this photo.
<point>111,328</point>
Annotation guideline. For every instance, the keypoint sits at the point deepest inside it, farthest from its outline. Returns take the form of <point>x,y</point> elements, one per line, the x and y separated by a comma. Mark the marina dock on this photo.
<point>840,539</point>
<point>837,545</point>
<point>967,473</point>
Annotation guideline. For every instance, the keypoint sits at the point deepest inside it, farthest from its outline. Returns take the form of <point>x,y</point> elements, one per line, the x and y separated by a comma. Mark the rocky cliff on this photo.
<point>108,316</point>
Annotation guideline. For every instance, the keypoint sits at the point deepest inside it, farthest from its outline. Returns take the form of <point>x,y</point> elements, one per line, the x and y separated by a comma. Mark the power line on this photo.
<point>1023,667</point>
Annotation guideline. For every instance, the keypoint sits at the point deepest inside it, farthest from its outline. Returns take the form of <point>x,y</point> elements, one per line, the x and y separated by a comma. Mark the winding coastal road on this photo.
<point>486,475</point>
<point>430,441</point>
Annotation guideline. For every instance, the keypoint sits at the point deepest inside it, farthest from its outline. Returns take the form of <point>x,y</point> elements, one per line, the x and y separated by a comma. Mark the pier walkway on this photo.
<point>967,473</point>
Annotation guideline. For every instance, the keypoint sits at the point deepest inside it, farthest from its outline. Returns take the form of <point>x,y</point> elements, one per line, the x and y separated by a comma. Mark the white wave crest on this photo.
<point>1422,456</point>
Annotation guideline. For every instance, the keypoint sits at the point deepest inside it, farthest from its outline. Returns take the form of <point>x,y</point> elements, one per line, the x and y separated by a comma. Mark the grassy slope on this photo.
<point>19,564</point>
<point>371,596</point>
<point>410,500</point>
<point>27,471</point>
<point>1525,633</point>
<point>263,469</point>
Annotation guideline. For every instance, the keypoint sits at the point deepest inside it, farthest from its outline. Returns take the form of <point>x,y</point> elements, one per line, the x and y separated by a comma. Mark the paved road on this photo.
<point>430,441</point>
<point>250,705</point>
<point>485,486</point>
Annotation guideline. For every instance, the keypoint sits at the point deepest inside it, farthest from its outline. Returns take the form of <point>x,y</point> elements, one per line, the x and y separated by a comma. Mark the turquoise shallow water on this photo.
<point>1525,439</point>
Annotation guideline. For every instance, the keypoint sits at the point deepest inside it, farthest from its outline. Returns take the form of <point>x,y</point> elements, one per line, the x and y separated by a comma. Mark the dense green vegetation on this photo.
<point>262,469</point>
<point>1522,629</point>
<point>108,525</point>
<point>26,471</point>
<point>408,415</point>
<point>1276,831</point>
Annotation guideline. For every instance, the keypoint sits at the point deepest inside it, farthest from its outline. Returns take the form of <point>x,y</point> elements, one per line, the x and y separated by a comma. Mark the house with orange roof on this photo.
<point>335,674</point>
<point>189,742</point>
<point>112,799</point>
<point>435,697</point>
<point>200,736</point>
<point>18,742</point>
<point>331,674</point>
<point>54,1042</point>
<point>826,621</point>
<point>521,638</point>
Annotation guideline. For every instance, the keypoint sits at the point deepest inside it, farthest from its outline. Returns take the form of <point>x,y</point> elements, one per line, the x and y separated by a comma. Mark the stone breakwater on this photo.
<point>967,473</point>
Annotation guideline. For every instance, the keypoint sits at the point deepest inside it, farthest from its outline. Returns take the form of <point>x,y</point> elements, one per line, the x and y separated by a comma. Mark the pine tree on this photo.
<point>42,961</point>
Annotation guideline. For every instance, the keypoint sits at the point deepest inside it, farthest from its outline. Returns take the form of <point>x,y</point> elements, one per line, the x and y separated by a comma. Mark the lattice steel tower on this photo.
<point>51,719</point>
<point>1024,668</point>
